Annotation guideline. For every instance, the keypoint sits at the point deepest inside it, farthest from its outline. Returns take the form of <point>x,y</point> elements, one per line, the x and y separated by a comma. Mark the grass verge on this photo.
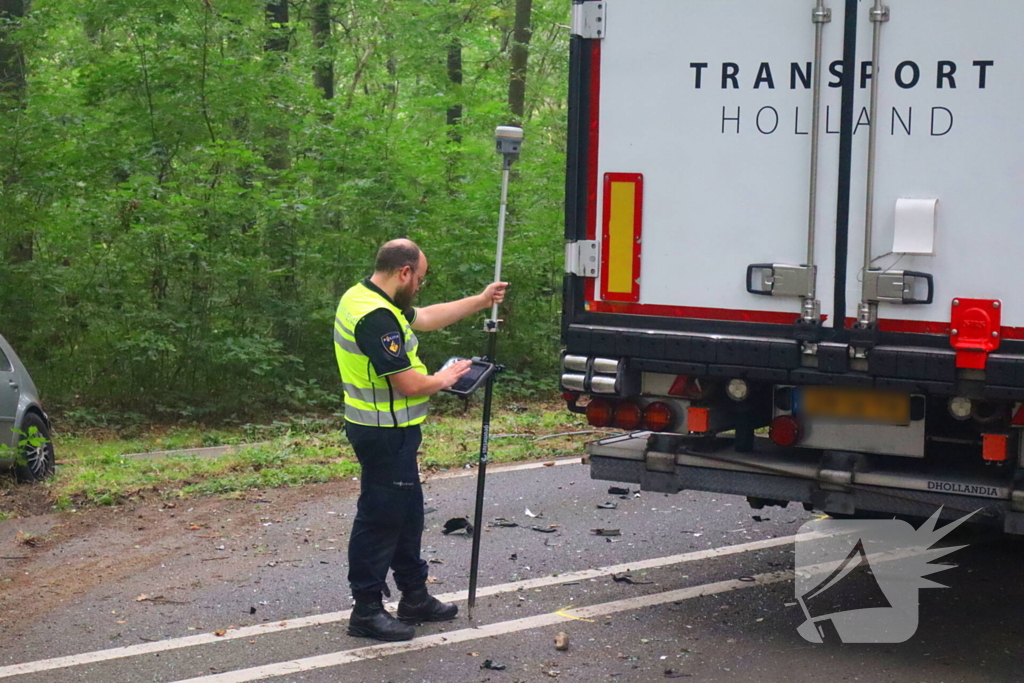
<point>96,470</point>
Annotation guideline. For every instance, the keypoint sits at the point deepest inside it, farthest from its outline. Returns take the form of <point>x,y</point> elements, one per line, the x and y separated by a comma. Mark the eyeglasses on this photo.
<point>421,280</point>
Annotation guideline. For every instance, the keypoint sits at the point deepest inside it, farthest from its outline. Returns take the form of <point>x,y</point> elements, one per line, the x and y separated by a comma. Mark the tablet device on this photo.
<point>478,373</point>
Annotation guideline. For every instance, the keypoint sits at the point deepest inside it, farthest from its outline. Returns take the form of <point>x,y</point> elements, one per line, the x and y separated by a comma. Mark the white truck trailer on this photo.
<point>794,232</point>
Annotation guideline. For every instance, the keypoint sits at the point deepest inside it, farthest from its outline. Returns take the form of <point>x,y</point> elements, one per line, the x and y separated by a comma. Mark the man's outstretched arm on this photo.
<point>439,316</point>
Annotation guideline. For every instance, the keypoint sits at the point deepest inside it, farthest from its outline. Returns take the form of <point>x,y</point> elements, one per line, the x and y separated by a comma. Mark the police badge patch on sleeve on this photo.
<point>392,342</point>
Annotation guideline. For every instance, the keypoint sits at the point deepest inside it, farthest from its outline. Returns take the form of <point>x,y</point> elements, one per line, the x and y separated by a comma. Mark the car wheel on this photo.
<point>37,461</point>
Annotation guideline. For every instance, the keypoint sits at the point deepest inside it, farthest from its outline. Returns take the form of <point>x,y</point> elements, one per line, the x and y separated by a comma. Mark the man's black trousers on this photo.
<point>388,526</point>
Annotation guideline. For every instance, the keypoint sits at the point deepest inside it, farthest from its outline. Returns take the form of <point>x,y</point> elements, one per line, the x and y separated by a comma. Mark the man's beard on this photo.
<point>404,297</point>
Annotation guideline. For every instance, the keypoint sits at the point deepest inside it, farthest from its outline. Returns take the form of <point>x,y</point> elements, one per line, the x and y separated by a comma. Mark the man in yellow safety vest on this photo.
<point>386,392</point>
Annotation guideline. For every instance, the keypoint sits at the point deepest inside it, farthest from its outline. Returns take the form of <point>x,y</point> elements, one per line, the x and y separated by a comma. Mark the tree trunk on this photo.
<point>454,114</point>
<point>323,70</point>
<point>277,21</point>
<point>281,240</point>
<point>521,33</point>
<point>12,61</point>
<point>12,97</point>
<point>455,79</point>
<point>277,156</point>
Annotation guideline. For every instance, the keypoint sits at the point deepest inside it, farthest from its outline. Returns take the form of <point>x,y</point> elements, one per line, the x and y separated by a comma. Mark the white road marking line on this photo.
<point>331,617</point>
<point>487,631</point>
<point>575,460</point>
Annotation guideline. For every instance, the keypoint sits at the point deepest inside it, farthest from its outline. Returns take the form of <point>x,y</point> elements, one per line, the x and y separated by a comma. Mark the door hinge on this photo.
<point>588,18</point>
<point>776,279</point>
<point>581,258</point>
<point>898,287</point>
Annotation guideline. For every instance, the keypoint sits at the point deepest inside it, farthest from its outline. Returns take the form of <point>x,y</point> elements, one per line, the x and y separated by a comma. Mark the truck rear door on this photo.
<point>948,161</point>
<point>696,184</point>
<point>700,157</point>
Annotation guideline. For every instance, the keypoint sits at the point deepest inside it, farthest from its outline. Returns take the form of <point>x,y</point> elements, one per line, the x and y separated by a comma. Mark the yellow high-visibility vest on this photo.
<point>369,398</point>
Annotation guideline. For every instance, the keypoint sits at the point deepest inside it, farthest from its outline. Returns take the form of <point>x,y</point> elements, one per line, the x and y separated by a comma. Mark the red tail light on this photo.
<point>784,431</point>
<point>600,412</point>
<point>628,416</point>
<point>658,417</point>
<point>570,396</point>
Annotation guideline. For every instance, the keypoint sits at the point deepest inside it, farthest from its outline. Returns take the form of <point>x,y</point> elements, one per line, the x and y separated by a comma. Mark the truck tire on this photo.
<point>35,462</point>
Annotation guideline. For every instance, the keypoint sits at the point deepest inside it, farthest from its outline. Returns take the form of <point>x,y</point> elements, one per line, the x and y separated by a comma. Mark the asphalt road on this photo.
<point>711,599</point>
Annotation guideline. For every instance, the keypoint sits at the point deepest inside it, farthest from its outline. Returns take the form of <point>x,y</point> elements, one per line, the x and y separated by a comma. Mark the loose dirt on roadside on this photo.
<point>49,558</point>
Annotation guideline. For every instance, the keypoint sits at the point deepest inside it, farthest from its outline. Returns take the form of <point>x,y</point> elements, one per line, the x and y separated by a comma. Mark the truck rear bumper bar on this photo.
<point>833,482</point>
<point>914,369</point>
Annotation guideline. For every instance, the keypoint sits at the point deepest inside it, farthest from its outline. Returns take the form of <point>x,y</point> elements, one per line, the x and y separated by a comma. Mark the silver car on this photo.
<point>25,436</point>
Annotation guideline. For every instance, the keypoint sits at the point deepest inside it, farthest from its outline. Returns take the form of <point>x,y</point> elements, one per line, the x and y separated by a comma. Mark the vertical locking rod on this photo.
<point>867,312</point>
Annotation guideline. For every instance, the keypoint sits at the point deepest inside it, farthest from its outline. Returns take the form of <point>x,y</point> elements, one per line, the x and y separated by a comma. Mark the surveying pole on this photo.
<point>508,141</point>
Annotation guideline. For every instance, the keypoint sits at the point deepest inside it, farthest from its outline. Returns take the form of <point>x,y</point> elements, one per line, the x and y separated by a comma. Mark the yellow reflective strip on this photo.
<point>366,395</point>
<point>344,331</point>
<point>347,344</point>
<point>360,405</point>
<point>621,236</point>
<point>370,418</point>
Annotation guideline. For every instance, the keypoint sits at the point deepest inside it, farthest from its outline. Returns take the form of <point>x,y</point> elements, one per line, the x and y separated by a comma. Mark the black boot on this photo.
<point>418,605</point>
<point>370,620</point>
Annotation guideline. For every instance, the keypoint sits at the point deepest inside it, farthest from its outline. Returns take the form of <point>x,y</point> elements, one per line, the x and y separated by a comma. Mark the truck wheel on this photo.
<point>37,461</point>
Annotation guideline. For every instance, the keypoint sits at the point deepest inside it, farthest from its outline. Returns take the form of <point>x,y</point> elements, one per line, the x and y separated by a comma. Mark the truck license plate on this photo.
<point>862,405</point>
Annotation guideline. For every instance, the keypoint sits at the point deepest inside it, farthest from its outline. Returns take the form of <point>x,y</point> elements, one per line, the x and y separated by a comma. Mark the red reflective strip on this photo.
<point>695,312</point>
<point>1018,416</point>
<point>930,327</point>
<point>590,287</point>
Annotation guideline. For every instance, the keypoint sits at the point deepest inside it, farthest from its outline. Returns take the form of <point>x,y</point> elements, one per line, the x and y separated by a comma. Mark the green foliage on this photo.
<point>30,439</point>
<point>195,208</point>
<point>97,470</point>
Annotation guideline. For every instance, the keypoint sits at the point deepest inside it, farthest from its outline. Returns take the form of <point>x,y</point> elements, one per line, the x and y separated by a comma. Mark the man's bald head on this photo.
<point>395,255</point>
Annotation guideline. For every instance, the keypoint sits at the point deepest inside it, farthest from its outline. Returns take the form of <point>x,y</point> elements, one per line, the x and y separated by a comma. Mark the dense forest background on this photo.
<point>188,186</point>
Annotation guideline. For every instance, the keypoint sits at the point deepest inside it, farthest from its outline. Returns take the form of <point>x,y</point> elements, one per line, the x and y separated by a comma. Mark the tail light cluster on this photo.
<point>785,431</point>
<point>629,416</point>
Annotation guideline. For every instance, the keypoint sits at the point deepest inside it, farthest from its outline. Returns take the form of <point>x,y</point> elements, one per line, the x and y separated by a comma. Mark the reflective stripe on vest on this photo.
<point>369,398</point>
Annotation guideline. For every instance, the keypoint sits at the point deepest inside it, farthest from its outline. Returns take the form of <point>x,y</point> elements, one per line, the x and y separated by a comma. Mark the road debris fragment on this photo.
<point>159,600</point>
<point>562,641</point>
<point>606,532</point>
<point>626,578</point>
<point>456,524</point>
<point>618,491</point>
<point>492,665</point>
<point>607,506</point>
